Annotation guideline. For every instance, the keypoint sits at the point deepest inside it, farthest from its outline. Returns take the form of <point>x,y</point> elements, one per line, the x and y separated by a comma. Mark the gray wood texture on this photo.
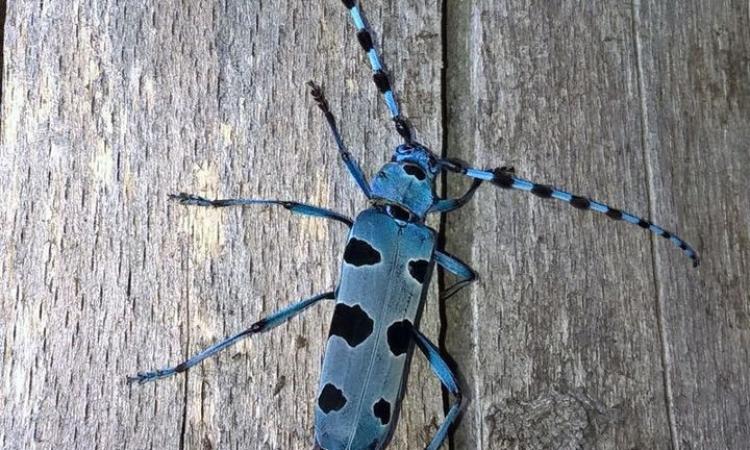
<point>584,333</point>
<point>581,333</point>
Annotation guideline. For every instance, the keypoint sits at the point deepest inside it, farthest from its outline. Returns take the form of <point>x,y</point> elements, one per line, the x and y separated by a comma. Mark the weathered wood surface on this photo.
<point>584,333</point>
<point>110,106</point>
<point>581,332</point>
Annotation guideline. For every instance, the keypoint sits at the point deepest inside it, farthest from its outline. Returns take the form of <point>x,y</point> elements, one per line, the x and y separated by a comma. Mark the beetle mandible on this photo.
<point>387,265</point>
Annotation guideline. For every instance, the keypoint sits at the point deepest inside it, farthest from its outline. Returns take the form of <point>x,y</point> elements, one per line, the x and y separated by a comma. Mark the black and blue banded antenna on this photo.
<point>378,72</point>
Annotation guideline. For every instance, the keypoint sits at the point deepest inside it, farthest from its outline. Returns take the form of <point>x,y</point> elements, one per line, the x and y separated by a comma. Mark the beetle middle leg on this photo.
<point>466,274</point>
<point>260,326</point>
<point>440,368</point>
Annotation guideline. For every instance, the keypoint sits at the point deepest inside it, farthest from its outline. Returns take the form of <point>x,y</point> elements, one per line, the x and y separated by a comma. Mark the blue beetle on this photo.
<point>387,265</point>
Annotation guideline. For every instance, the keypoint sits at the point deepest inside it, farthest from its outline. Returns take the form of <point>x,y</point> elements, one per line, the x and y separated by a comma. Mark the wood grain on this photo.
<point>582,333</point>
<point>110,106</point>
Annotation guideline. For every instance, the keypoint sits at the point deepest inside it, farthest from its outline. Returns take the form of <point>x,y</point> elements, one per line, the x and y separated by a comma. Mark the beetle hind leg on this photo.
<point>260,326</point>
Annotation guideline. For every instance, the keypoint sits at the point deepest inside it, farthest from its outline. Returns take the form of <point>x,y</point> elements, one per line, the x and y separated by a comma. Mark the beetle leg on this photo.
<point>466,274</point>
<point>440,367</point>
<point>297,208</point>
<point>452,204</point>
<point>260,326</point>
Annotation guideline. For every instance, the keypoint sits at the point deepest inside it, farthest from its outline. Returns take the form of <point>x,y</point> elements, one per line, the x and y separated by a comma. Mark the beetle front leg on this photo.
<point>447,205</point>
<point>260,326</point>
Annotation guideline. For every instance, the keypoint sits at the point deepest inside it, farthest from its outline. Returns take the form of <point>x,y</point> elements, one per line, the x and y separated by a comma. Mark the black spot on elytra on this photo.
<point>418,270</point>
<point>399,335</point>
<point>348,3</point>
<point>580,202</point>
<point>360,253</point>
<point>351,323</point>
<point>542,191</point>
<point>414,171</point>
<point>331,399</point>
<point>382,410</point>
<point>666,235</point>
<point>643,224</point>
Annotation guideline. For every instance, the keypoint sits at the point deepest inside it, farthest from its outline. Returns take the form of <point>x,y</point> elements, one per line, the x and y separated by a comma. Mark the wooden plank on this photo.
<point>696,66</point>
<point>581,333</point>
<point>107,108</point>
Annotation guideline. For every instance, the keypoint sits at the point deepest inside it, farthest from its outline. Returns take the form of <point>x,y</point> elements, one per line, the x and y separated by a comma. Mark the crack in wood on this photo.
<point>666,358</point>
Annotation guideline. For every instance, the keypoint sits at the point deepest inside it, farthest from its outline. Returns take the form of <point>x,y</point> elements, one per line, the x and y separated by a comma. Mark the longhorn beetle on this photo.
<point>388,261</point>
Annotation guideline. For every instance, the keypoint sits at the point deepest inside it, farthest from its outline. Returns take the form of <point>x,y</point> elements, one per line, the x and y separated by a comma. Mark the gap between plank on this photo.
<point>3,17</point>
<point>442,286</point>
<point>455,82</point>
